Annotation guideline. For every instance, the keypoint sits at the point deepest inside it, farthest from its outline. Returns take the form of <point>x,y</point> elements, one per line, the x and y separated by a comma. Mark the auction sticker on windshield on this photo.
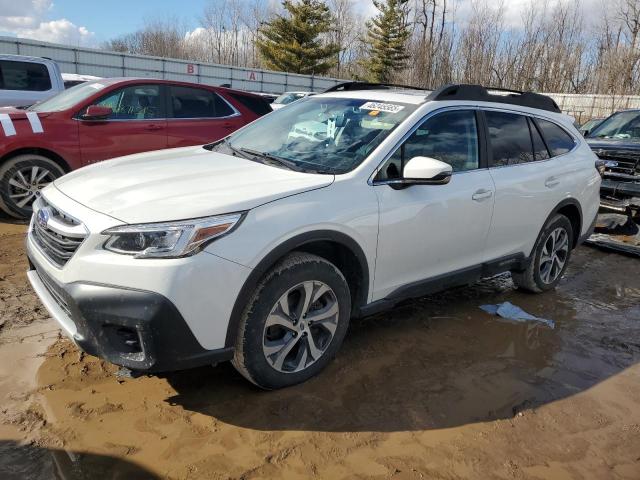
<point>383,107</point>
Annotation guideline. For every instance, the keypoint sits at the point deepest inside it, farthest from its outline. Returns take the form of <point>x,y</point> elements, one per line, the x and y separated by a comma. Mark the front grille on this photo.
<point>57,234</point>
<point>53,291</point>
<point>620,163</point>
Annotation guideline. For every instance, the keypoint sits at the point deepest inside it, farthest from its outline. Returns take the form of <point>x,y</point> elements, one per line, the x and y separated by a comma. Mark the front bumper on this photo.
<point>137,329</point>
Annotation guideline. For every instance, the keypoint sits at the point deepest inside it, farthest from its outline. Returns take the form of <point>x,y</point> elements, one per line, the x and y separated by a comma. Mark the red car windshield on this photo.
<point>68,98</point>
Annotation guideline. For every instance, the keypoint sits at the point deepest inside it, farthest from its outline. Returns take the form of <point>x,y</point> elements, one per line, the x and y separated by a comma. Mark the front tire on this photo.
<point>550,257</point>
<point>21,179</point>
<point>295,322</point>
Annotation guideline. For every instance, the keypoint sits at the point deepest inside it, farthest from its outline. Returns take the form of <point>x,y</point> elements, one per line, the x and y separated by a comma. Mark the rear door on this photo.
<point>530,180</point>
<point>198,116</point>
<point>138,124</point>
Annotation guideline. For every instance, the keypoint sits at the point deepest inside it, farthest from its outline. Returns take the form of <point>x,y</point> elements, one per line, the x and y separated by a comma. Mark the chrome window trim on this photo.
<point>235,113</point>
<point>576,140</point>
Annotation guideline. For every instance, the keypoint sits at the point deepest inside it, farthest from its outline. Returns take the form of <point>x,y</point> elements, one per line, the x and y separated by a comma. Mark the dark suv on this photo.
<point>617,141</point>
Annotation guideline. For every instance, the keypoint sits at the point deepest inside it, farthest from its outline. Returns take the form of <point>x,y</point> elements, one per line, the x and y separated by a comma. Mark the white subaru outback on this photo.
<point>259,248</point>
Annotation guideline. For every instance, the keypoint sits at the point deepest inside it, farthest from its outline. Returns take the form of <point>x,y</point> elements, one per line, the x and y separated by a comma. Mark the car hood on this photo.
<point>613,144</point>
<point>182,183</point>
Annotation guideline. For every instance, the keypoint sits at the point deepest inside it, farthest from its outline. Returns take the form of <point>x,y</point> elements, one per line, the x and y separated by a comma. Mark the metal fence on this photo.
<point>101,63</point>
<point>585,107</point>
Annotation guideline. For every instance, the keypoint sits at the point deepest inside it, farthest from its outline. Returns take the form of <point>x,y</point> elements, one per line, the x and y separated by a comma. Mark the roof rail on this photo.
<point>478,93</point>
<point>350,86</point>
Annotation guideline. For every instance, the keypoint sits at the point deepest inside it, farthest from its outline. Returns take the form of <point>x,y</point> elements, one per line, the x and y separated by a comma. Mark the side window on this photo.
<point>510,139</point>
<point>558,140</point>
<point>257,105</point>
<point>540,151</point>
<point>29,76</point>
<point>138,102</point>
<point>198,103</point>
<point>451,137</point>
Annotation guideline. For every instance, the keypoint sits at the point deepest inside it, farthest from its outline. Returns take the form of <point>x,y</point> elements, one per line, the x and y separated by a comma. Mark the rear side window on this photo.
<point>510,139</point>
<point>557,139</point>
<point>540,151</point>
<point>27,76</point>
<point>257,105</point>
<point>198,103</point>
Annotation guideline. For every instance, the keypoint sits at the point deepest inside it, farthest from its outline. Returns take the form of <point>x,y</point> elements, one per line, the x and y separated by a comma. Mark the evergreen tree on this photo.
<point>387,35</point>
<point>292,42</point>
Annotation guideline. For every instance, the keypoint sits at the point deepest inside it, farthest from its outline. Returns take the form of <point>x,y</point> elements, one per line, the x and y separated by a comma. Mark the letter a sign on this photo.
<point>251,76</point>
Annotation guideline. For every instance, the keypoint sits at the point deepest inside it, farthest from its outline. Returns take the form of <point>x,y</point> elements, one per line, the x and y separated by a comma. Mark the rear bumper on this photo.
<point>137,329</point>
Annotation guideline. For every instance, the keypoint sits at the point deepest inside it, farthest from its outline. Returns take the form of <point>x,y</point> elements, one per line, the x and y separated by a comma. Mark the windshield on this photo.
<point>287,98</point>
<point>321,134</point>
<point>622,125</point>
<point>68,98</point>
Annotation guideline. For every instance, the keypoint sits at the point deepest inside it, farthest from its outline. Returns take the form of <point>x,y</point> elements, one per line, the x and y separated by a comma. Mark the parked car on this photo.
<point>616,141</point>
<point>287,98</point>
<point>27,80</point>
<point>589,125</point>
<point>108,118</point>
<point>269,97</point>
<point>73,79</point>
<point>259,248</point>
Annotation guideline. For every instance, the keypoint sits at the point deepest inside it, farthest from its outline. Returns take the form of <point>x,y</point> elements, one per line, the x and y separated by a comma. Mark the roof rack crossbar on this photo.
<point>350,86</point>
<point>479,93</point>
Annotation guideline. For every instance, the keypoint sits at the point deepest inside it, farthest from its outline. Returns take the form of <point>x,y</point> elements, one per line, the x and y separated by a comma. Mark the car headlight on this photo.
<point>170,239</point>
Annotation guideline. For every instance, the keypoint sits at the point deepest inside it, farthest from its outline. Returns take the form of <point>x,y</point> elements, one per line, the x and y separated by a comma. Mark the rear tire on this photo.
<point>295,322</point>
<point>21,179</point>
<point>549,259</point>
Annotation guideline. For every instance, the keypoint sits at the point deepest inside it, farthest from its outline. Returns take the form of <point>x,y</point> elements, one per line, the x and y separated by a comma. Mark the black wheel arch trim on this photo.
<point>564,203</point>
<point>45,152</point>
<point>280,251</point>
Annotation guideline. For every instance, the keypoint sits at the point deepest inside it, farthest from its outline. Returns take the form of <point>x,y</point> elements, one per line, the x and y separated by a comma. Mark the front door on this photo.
<point>430,230</point>
<point>137,124</point>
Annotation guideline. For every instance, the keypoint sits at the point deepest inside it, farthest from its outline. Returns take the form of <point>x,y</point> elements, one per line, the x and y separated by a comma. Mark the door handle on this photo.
<point>154,128</point>
<point>551,182</point>
<point>482,195</point>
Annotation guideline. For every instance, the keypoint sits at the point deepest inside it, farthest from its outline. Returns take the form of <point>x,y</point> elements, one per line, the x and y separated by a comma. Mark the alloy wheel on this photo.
<point>26,183</point>
<point>554,255</point>
<point>300,326</point>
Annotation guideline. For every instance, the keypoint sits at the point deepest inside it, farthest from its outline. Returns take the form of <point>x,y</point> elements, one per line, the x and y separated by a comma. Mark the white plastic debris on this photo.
<point>512,312</point>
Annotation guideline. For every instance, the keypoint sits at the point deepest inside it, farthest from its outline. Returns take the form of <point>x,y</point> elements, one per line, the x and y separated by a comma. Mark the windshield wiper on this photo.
<point>273,158</point>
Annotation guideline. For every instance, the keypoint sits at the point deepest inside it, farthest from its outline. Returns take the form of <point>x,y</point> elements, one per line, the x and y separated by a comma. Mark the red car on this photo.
<point>109,118</point>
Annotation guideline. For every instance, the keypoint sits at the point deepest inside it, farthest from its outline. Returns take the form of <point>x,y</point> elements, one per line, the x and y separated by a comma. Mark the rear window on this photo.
<point>257,105</point>
<point>26,76</point>
<point>557,139</point>
<point>198,103</point>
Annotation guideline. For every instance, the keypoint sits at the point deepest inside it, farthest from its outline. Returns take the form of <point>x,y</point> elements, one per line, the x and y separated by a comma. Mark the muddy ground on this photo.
<point>436,389</point>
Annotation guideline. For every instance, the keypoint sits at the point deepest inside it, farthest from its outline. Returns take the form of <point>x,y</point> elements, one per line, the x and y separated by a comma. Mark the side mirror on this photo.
<point>424,171</point>
<point>96,112</point>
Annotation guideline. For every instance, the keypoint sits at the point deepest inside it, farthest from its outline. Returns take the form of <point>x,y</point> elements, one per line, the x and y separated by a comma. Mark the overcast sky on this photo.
<point>89,22</point>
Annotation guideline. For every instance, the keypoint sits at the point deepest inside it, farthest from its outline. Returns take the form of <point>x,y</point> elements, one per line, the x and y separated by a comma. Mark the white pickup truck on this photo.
<point>27,80</point>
